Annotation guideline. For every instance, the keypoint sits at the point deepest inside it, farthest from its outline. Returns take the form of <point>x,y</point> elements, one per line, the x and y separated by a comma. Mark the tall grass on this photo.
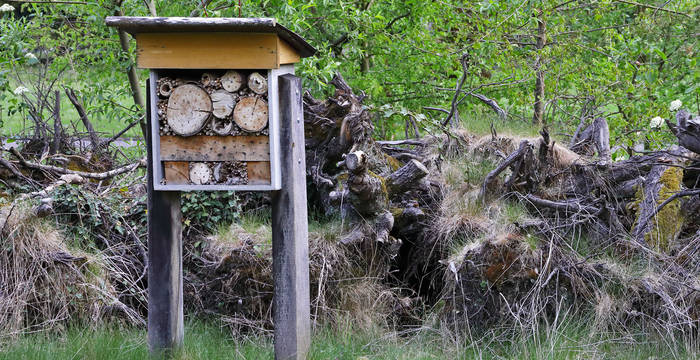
<point>571,338</point>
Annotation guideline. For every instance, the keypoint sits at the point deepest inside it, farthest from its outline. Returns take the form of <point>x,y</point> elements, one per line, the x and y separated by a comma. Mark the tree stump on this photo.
<point>188,109</point>
<point>250,114</point>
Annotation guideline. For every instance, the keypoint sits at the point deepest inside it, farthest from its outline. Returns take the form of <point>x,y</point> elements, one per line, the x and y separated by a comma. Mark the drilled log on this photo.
<point>232,81</point>
<point>189,107</point>
<point>257,83</point>
<point>200,173</point>
<point>250,114</point>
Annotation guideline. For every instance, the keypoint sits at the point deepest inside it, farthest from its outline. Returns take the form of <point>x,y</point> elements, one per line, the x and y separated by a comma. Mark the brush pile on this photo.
<point>494,231</point>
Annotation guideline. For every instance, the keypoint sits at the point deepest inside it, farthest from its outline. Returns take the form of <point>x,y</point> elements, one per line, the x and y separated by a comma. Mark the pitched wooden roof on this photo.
<point>137,24</point>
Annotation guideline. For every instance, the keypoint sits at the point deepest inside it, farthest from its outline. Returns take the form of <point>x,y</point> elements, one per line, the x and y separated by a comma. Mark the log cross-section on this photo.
<point>189,108</point>
<point>251,114</point>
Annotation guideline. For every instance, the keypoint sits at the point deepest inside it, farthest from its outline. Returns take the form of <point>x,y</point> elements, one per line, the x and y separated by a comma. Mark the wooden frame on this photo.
<point>219,50</point>
<point>273,130</point>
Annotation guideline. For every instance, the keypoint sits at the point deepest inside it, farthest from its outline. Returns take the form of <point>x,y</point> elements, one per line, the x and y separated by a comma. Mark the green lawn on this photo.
<point>209,341</point>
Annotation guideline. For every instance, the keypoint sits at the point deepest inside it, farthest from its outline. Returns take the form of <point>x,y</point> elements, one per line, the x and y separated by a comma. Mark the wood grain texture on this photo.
<point>290,237</point>
<point>258,172</point>
<point>287,54</point>
<point>189,108</point>
<point>165,306</point>
<point>176,172</point>
<point>136,25</point>
<point>216,50</point>
<point>251,114</point>
<point>215,148</point>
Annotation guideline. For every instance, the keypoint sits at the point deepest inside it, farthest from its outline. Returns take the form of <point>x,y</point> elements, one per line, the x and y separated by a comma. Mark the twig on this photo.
<point>119,134</point>
<point>503,165</point>
<point>675,196</point>
<point>60,170</point>
<point>83,117</point>
<point>566,206</point>
<point>453,106</point>
<point>653,7</point>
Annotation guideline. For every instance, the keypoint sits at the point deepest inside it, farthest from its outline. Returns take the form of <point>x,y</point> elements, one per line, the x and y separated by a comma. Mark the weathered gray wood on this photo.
<point>406,177</point>
<point>165,316</point>
<point>290,247</point>
<point>136,24</point>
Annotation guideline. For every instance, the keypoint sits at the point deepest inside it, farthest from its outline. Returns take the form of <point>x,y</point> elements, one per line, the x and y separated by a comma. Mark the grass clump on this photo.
<point>569,338</point>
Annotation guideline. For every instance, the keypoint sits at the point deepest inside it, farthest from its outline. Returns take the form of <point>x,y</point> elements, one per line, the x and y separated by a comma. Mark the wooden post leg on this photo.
<point>165,316</point>
<point>290,243</point>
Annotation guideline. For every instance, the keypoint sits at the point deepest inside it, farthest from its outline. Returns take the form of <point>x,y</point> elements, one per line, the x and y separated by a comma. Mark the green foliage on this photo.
<point>86,215</point>
<point>620,61</point>
<point>208,210</point>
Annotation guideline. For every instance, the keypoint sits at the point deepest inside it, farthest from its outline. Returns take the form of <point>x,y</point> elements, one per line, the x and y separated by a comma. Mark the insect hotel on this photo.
<point>224,113</point>
<point>213,98</point>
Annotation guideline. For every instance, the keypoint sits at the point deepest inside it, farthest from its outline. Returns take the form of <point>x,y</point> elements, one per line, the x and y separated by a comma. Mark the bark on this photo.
<point>538,116</point>
<point>223,104</point>
<point>687,130</point>
<point>406,177</point>
<point>94,140</point>
<point>594,139</point>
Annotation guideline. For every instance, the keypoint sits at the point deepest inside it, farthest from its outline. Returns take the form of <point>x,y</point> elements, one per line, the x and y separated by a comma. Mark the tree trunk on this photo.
<point>538,116</point>
<point>134,82</point>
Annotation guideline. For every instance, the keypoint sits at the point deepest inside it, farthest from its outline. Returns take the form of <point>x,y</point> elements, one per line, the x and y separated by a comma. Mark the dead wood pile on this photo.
<point>484,231</point>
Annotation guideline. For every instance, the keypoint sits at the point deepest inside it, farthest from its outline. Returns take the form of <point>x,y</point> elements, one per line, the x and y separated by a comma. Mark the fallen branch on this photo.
<point>643,223</point>
<point>89,175</point>
<point>119,134</point>
<point>566,206</point>
<point>514,156</point>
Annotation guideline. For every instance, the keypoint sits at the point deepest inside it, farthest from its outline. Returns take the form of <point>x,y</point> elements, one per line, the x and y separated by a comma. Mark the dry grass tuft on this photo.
<point>44,284</point>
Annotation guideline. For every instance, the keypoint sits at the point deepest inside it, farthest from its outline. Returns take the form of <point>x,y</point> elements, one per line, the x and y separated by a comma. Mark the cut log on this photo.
<point>356,162</point>
<point>188,109</point>
<point>208,79</point>
<point>165,88</point>
<point>223,103</point>
<point>257,83</point>
<point>406,177</point>
<point>200,173</point>
<point>221,127</point>
<point>250,114</point>
<point>232,81</point>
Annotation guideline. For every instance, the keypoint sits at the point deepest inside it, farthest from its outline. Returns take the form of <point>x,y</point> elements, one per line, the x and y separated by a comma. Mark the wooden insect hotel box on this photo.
<point>213,98</point>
